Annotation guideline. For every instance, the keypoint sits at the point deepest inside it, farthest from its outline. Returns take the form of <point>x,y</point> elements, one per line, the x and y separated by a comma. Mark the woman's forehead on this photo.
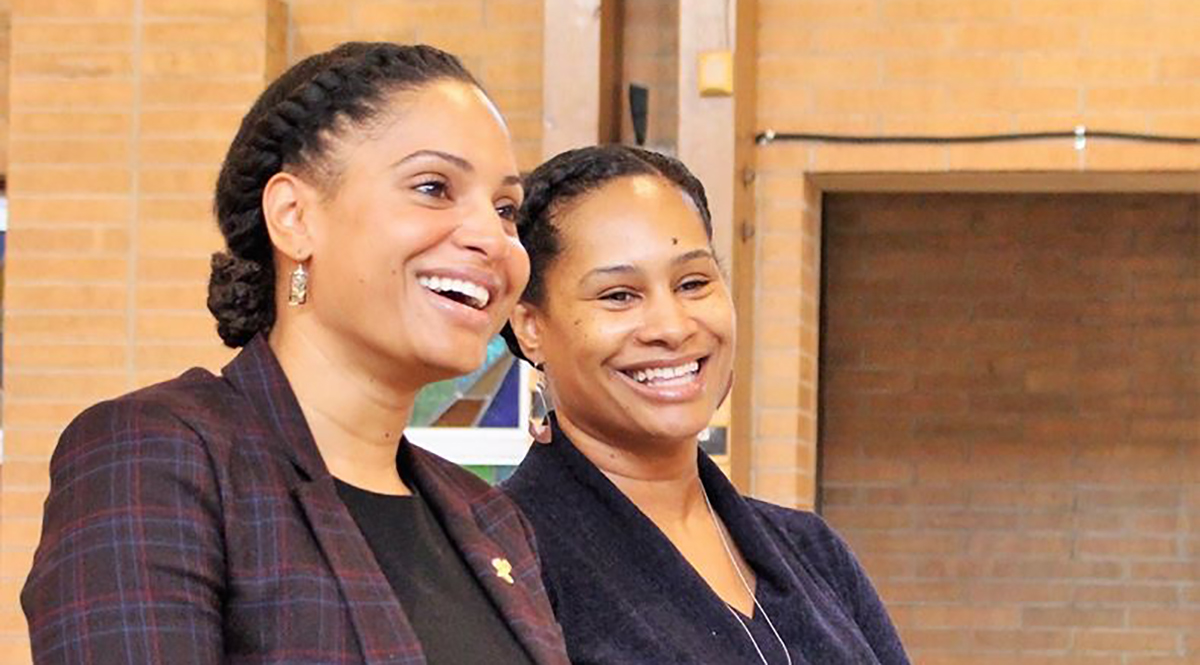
<point>638,205</point>
<point>629,224</point>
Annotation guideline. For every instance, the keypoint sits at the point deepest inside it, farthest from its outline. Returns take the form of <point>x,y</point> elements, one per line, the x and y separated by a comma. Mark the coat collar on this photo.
<point>259,378</point>
<point>383,631</point>
<point>572,471</point>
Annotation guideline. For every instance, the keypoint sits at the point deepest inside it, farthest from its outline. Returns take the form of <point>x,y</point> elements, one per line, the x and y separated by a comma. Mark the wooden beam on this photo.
<point>743,256</point>
<point>581,74</point>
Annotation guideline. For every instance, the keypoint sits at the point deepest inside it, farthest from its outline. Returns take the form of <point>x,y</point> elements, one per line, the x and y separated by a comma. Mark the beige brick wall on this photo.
<point>500,41</point>
<point>1011,420</point>
<point>120,113</point>
<point>5,32</point>
<point>936,67</point>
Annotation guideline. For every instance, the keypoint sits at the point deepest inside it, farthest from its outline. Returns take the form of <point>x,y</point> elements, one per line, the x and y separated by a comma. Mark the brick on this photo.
<point>94,384</point>
<point>77,94</point>
<point>820,70</point>
<point>172,91</point>
<point>163,8</point>
<point>172,296</point>
<point>807,11</point>
<point>71,34</point>
<point>1072,617</point>
<point>63,268</point>
<point>1023,639</point>
<point>916,639</point>
<point>1164,618</point>
<point>63,356</point>
<point>1126,594</point>
<point>965,617</point>
<point>1127,547</point>
<point>875,38</point>
<point>207,61</point>
<point>50,241</point>
<point>964,68</point>
<point>115,152</point>
<point>1111,640</point>
<point>174,269</point>
<point>1164,36</point>
<point>389,15</point>
<point>178,123</point>
<point>72,209</point>
<point>1086,70</point>
<point>174,358</point>
<point>71,8</point>
<point>833,101</point>
<point>1165,571</point>
<point>1076,10</point>
<point>192,326</point>
<point>901,591</point>
<point>48,123</point>
<point>864,157</point>
<point>1112,156</point>
<point>75,64</point>
<point>207,32</point>
<point>1019,37</point>
<point>945,10</point>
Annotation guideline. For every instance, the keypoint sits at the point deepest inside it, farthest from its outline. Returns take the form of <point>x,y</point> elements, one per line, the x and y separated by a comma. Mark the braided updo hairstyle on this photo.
<point>289,129</point>
<point>567,177</point>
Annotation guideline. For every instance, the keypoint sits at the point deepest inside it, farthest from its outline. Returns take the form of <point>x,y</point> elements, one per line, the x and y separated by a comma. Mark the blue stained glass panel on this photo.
<point>487,397</point>
<point>504,411</point>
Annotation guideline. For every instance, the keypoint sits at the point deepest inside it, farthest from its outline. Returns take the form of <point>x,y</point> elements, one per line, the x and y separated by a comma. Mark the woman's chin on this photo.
<point>685,431</point>
<point>452,370</point>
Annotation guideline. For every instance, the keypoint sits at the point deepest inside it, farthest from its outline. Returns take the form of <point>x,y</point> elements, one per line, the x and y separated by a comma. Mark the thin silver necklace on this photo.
<point>733,560</point>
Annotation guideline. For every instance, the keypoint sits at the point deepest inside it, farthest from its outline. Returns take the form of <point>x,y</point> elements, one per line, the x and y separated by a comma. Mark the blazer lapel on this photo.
<point>478,526</point>
<point>382,629</point>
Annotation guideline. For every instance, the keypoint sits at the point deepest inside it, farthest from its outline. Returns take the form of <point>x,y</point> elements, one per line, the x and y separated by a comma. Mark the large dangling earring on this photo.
<point>539,410</point>
<point>298,293</point>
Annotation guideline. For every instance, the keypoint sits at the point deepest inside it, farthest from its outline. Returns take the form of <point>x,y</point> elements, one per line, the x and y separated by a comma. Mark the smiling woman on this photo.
<point>277,513</point>
<point>649,554</point>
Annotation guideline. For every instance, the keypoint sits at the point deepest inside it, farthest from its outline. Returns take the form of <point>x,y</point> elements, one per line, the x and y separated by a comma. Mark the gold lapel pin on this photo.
<point>503,570</point>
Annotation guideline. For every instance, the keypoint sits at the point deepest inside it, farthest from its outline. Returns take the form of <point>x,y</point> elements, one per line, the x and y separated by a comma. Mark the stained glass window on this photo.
<point>477,420</point>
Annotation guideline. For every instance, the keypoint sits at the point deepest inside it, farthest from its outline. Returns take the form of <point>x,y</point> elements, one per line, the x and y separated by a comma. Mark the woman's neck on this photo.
<point>356,419</point>
<point>661,479</point>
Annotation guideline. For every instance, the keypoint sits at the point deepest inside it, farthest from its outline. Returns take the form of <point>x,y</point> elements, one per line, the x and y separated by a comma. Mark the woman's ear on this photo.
<point>526,325</point>
<point>285,200</point>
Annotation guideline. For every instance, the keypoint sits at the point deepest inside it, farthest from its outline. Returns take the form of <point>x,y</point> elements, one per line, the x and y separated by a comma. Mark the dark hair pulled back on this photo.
<point>289,128</point>
<point>572,174</point>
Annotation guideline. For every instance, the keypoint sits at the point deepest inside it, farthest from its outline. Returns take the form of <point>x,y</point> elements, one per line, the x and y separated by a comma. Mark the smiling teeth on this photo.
<point>665,373</point>
<point>478,295</point>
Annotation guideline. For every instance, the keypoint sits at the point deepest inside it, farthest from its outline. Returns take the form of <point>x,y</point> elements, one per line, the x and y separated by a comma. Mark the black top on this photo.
<point>625,594</point>
<point>448,610</point>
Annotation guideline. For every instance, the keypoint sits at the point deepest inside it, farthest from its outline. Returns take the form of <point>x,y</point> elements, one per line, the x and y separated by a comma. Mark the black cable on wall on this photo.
<point>1079,135</point>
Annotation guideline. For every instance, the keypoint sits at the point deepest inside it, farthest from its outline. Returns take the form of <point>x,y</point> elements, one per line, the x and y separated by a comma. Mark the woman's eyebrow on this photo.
<point>462,163</point>
<point>625,268</point>
<point>619,269</point>
<point>693,255</point>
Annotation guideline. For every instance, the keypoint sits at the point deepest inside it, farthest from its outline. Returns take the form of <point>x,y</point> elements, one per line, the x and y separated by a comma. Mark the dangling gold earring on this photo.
<point>539,410</point>
<point>298,293</point>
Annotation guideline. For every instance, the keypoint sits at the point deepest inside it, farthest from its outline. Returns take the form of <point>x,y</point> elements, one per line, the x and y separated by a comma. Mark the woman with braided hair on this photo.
<point>628,316</point>
<point>275,513</point>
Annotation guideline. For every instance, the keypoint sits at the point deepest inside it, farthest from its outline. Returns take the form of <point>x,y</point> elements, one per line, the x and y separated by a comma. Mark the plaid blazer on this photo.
<point>195,522</point>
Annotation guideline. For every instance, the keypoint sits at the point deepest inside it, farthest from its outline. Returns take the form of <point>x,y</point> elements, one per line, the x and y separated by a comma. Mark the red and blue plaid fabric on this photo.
<point>194,522</point>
